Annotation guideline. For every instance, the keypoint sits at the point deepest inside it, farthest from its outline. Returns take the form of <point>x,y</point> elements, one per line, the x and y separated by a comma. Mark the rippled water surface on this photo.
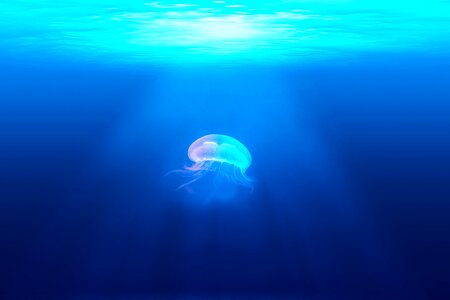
<point>193,31</point>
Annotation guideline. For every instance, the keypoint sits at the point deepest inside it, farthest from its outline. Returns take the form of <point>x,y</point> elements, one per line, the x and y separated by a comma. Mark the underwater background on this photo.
<point>344,106</point>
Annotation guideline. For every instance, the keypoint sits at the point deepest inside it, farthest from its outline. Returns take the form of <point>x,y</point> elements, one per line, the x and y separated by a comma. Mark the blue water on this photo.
<point>344,106</point>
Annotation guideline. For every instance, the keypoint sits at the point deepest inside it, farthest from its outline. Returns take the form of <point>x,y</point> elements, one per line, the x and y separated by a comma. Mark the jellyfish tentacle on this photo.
<point>189,182</point>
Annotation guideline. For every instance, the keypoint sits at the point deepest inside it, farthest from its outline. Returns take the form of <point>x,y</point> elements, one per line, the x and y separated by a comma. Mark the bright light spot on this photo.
<point>224,28</point>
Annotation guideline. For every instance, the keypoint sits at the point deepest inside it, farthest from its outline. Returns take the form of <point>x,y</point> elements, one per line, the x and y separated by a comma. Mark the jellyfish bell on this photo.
<point>219,148</point>
<point>221,157</point>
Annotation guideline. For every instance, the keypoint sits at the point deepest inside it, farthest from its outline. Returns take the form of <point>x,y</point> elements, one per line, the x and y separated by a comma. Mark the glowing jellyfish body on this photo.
<point>220,155</point>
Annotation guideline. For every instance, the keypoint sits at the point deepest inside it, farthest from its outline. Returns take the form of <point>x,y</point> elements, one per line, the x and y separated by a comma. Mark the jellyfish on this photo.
<point>221,156</point>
